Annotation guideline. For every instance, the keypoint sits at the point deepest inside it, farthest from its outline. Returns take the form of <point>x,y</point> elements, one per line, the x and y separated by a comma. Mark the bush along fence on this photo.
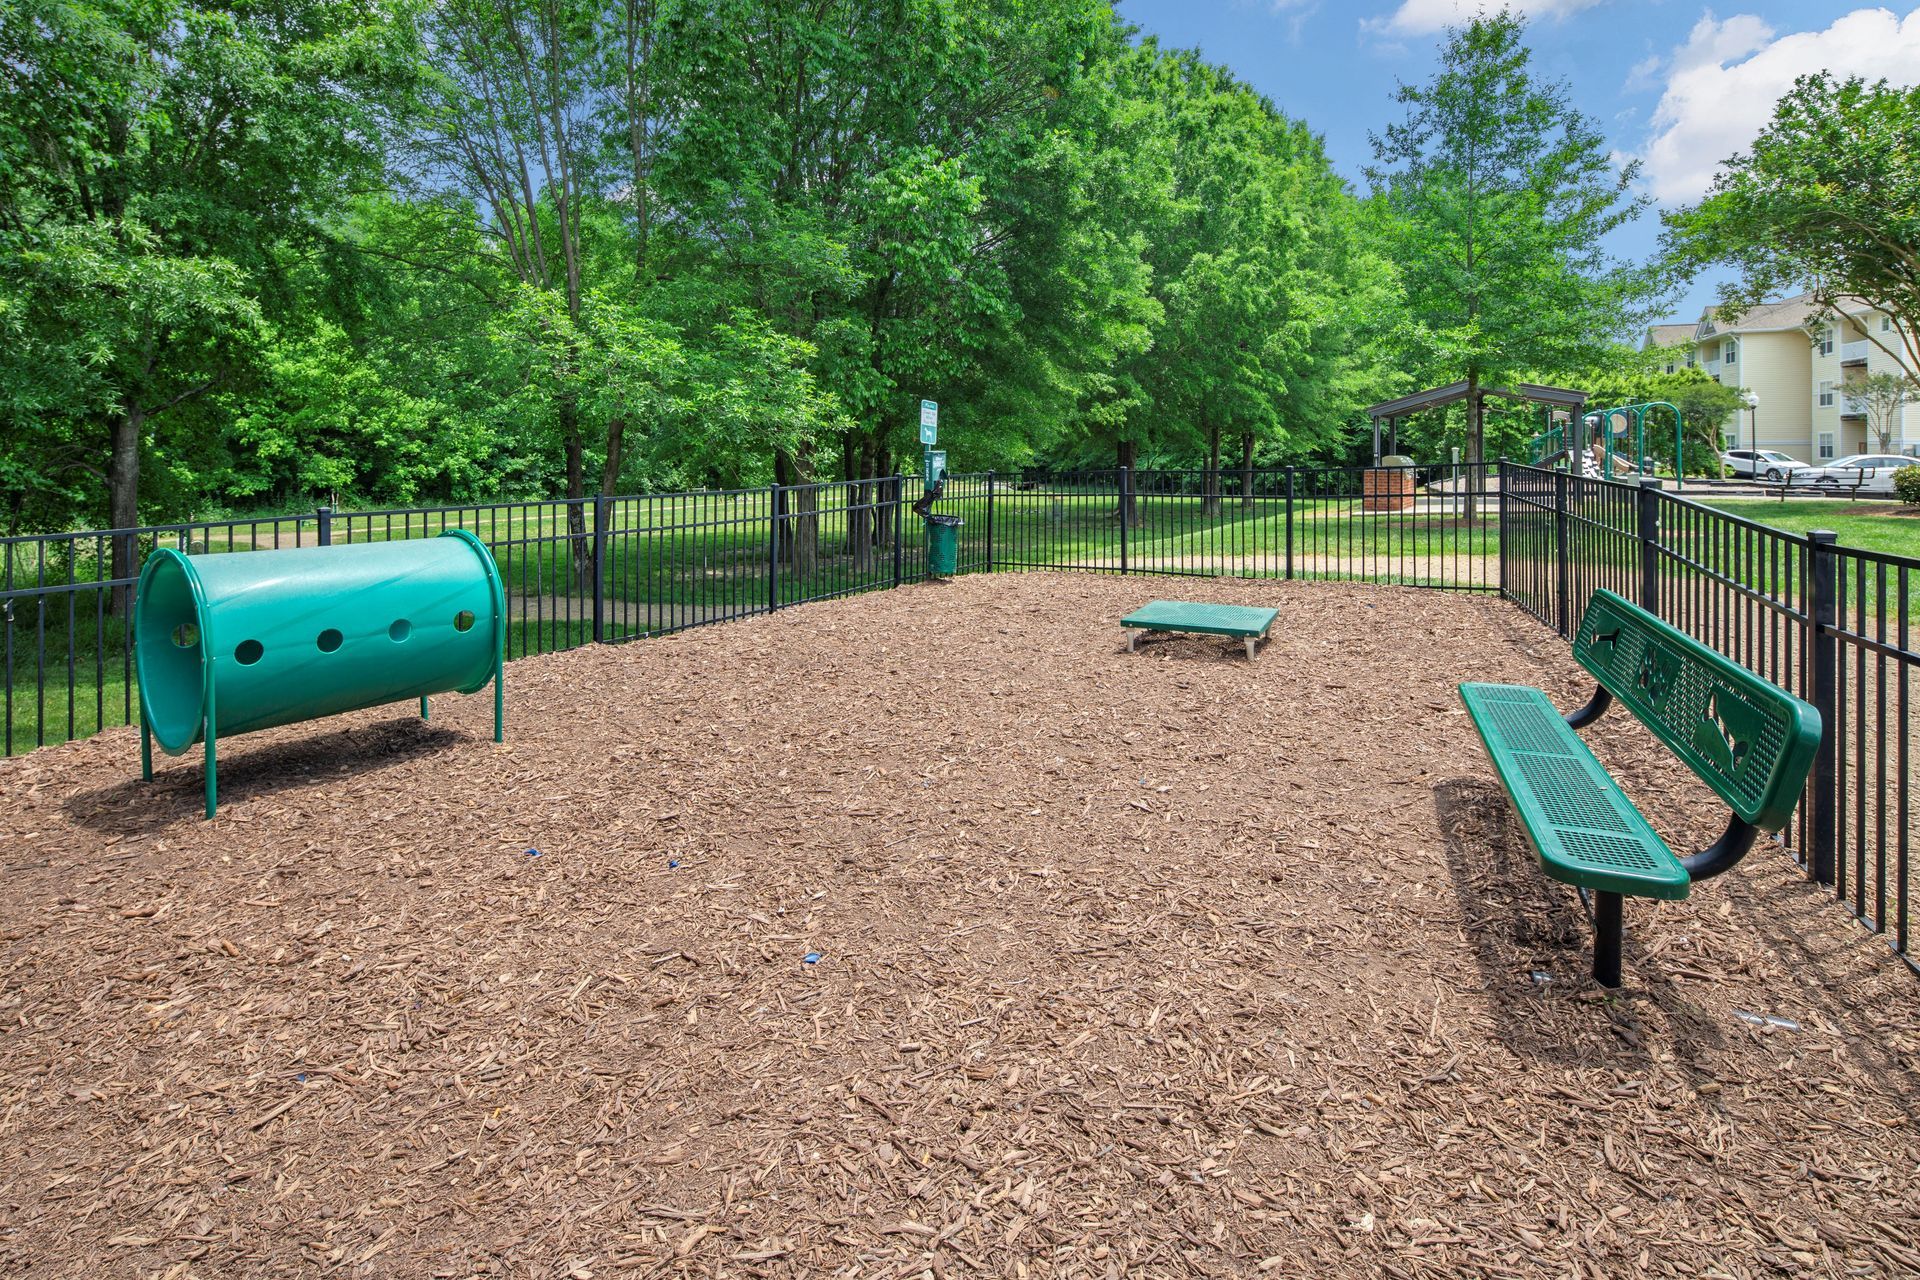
<point>1829,622</point>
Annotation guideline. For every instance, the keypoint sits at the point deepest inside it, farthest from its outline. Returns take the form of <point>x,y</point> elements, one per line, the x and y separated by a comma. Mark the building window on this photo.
<point>1886,324</point>
<point>1826,444</point>
<point>1689,359</point>
<point>1669,366</point>
<point>1824,339</point>
<point>1727,352</point>
<point>1826,395</point>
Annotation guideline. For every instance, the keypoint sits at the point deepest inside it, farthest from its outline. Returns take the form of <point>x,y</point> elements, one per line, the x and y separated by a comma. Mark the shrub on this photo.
<point>1906,483</point>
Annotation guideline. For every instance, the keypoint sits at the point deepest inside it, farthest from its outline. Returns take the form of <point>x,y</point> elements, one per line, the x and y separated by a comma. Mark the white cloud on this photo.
<point>1721,86</point>
<point>1424,17</point>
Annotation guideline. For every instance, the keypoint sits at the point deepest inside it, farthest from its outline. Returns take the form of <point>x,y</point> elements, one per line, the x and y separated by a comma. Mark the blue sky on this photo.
<point>1672,82</point>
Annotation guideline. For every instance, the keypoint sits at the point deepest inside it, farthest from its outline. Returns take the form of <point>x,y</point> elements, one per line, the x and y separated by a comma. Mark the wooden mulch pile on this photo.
<point>927,933</point>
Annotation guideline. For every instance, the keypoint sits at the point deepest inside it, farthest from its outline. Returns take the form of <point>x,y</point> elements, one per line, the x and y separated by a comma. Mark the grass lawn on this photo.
<point>1867,526</point>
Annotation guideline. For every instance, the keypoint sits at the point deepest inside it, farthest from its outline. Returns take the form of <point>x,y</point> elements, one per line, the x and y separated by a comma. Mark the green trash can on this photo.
<point>943,545</point>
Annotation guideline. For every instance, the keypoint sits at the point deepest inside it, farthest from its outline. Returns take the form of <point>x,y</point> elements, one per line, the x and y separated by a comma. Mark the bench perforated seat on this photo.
<point>1584,829</point>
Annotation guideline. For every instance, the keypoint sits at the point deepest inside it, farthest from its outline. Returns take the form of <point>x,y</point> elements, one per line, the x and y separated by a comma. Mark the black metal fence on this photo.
<point>1832,623</point>
<point>575,572</point>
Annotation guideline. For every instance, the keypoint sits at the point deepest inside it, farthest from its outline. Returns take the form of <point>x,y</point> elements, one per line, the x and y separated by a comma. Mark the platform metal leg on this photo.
<point>1252,644</point>
<point>146,750</point>
<point>1607,930</point>
<point>423,708</point>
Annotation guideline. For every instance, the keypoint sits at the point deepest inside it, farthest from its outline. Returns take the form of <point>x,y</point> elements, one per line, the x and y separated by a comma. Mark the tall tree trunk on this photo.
<point>1126,453</point>
<point>123,495</point>
<point>616,454</point>
<point>853,459</point>
<point>1246,471</point>
<point>883,515</point>
<point>582,549</point>
<point>1210,502</point>
<point>800,531</point>
<point>1476,478</point>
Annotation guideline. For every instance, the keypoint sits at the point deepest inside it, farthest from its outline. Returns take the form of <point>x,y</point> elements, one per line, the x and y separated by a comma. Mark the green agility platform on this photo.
<point>1239,621</point>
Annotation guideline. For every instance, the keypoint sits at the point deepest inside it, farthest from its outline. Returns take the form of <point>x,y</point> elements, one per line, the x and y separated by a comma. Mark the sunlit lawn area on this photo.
<point>1869,526</point>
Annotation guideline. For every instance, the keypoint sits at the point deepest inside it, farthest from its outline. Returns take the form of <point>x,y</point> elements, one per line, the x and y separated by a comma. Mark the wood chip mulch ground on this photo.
<point>928,933</point>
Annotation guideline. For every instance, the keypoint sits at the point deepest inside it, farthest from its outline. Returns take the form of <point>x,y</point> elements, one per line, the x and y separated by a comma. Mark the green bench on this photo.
<point>1749,740</point>
<point>1238,621</point>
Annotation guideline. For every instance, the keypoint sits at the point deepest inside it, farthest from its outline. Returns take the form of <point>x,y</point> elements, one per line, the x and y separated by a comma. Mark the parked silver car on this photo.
<point>1865,472</point>
<point>1770,465</point>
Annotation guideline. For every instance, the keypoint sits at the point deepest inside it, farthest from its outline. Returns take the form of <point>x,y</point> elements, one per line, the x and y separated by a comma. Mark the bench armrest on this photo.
<point>1723,853</point>
<point>1596,707</point>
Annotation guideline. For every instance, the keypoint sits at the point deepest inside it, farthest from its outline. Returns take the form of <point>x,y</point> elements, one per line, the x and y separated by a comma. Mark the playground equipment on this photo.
<point>1560,443</point>
<point>230,643</point>
<point>1240,622</point>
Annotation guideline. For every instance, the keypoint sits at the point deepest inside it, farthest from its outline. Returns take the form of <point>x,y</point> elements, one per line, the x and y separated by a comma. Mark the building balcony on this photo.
<point>1854,352</point>
<point>1853,407</point>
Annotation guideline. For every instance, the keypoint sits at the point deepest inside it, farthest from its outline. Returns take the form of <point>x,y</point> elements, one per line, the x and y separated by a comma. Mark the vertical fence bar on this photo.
<point>1125,492</point>
<point>989,522</point>
<point>1290,493</point>
<point>773,548</point>
<point>1562,559</point>
<point>1822,619</point>
<point>600,569</point>
<point>1504,478</point>
<point>899,526</point>
<point>323,525</point>
<point>1647,525</point>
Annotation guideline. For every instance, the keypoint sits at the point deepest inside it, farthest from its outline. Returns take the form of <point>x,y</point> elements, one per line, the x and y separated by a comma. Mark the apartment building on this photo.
<point>1799,367</point>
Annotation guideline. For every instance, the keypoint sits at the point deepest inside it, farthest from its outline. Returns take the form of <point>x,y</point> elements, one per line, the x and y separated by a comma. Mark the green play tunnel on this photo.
<point>230,643</point>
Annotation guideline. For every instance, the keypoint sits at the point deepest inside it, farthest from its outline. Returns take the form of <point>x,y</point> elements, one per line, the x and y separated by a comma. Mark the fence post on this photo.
<point>989,522</point>
<point>600,568</point>
<point>1823,617</point>
<point>323,517</point>
<point>773,549</point>
<point>1502,510</point>
<point>1647,524</point>
<point>899,525</point>
<point>1125,487</point>
<point>1290,491</point>
<point>1563,576</point>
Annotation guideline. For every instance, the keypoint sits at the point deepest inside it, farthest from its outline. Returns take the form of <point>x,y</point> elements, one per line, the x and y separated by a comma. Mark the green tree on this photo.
<point>1499,195</point>
<point>165,167</point>
<point>1883,395</point>
<point>1826,201</point>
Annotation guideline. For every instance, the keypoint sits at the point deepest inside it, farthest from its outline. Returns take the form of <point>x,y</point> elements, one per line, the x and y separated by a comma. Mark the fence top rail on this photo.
<point>13,540</point>
<point>1886,558</point>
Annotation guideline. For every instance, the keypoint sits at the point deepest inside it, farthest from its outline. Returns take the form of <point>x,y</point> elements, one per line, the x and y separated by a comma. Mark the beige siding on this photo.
<point>1776,367</point>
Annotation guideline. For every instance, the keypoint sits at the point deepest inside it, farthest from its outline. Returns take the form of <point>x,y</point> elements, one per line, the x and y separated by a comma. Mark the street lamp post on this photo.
<point>1753,431</point>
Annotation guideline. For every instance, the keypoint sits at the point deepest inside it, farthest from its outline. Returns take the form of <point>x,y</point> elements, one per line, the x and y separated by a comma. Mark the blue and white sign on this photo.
<point>929,421</point>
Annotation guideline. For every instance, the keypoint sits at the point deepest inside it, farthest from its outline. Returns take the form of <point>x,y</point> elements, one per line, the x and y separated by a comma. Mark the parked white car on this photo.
<point>1770,465</point>
<point>1865,472</point>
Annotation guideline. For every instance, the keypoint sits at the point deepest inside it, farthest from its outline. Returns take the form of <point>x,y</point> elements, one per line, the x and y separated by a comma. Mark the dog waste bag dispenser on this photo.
<point>248,640</point>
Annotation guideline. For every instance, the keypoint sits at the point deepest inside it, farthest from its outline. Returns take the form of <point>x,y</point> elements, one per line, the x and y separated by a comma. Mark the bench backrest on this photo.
<point>1747,738</point>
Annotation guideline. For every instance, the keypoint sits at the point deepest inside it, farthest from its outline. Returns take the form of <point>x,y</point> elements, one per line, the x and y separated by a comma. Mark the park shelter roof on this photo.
<point>1434,397</point>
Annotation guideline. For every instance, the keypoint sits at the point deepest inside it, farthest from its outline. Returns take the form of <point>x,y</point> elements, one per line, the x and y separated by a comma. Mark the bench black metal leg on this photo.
<point>1606,938</point>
